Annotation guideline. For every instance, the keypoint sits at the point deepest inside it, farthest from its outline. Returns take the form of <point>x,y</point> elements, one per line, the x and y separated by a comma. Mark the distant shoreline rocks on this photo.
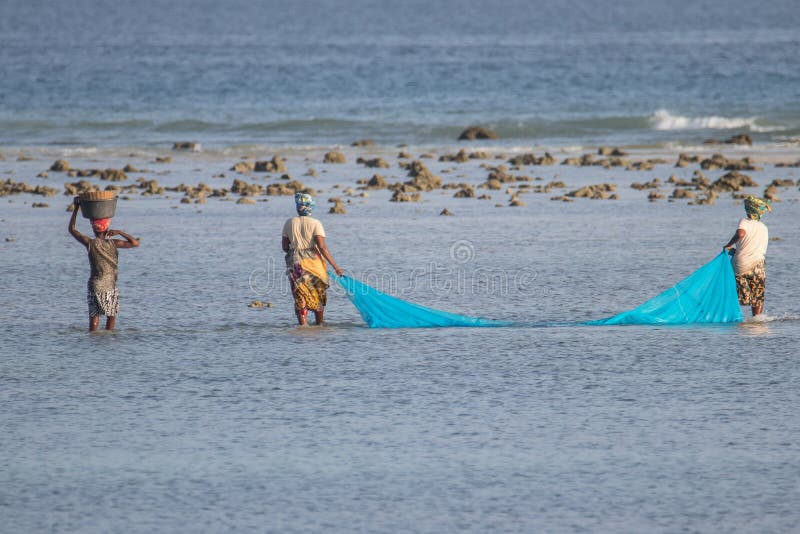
<point>477,132</point>
<point>187,146</point>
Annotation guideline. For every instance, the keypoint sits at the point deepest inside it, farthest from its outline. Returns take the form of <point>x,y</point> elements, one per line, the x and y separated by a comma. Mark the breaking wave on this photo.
<point>664,120</point>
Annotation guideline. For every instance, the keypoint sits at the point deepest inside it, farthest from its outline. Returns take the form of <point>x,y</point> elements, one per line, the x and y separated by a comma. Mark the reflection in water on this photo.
<point>757,326</point>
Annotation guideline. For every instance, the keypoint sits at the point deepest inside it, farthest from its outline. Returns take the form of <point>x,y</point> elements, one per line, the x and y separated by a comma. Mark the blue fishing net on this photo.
<point>706,296</point>
<point>380,310</point>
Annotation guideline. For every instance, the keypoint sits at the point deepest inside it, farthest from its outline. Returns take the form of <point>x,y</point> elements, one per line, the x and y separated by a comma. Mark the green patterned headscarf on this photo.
<point>756,207</point>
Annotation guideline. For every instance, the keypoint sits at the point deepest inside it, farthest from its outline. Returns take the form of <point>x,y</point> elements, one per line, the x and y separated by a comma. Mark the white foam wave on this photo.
<point>764,318</point>
<point>664,120</point>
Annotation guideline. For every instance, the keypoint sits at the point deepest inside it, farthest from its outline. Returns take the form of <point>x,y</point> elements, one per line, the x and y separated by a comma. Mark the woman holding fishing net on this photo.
<point>749,256</point>
<point>306,257</point>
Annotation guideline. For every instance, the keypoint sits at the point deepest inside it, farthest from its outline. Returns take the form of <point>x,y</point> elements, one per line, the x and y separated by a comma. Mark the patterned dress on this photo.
<point>102,294</point>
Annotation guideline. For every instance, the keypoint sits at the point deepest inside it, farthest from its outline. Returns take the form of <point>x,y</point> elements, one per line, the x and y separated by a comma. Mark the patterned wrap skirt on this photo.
<point>751,286</point>
<point>102,302</point>
<point>310,293</point>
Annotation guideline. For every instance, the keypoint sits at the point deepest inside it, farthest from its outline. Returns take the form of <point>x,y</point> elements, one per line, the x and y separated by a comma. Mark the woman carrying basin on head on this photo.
<point>749,256</point>
<point>102,295</point>
<point>306,256</point>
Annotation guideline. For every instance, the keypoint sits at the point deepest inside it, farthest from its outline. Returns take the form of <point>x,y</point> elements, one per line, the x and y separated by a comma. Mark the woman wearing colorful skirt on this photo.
<point>749,257</point>
<point>306,256</point>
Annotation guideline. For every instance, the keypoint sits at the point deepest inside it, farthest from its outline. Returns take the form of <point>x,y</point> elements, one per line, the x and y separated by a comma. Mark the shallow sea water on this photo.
<point>201,414</point>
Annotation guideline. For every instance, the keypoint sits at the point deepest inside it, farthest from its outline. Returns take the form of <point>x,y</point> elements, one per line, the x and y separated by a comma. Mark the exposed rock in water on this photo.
<point>60,165</point>
<point>373,163</point>
<point>485,197</point>
<point>788,164</point>
<point>515,202</point>
<point>744,164</point>
<point>492,183</point>
<point>245,200</point>
<point>733,181</point>
<point>311,172</point>
<point>597,192</point>
<point>10,187</point>
<point>130,168</point>
<point>786,182</point>
<point>684,160</point>
<point>715,162</point>
<point>699,180</point>
<point>405,197</point>
<point>150,187</point>
<point>585,160</point>
<point>682,193</point>
<point>480,154</point>
<point>740,139</point>
<point>338,208</point>
<point>678,181</point>
<point>274,165</point>
<point>113,175</point>
<point>256,304</point>
<point>376,182</point>
<point>42,175</point>
<point>718,161</point>
<point>466,191</point>
<point>531,159</point>
<point>608,151</point>
<point>644,165</point>
<point>188,146</point>
<point>240,187</point>
<point>655,195</point>
<point>243,167</point>
<point>404,155</point>
<point>771,193</point>
<point>477,132</point>
<point>363,142</point>
<point>40,205</point>
<point>163,159</point>
<point>446,212</point>
<point>76,188</point>
<point>707,200</point>
<point>334,157</point>
<point>652,184</point>
<point>562,198</point>
<point>422,178</point>
<point>288,188</point>
<point>461,157</point>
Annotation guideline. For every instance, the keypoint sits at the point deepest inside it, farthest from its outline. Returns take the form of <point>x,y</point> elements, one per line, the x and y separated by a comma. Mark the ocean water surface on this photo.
<point>200,413</point>
<point>319,72</point>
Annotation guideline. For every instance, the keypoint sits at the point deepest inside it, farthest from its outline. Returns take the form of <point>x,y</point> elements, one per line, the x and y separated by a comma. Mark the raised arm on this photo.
<point>84,240</point>
<point>130,241</point>
<point>736,237</point>
<point>323,249</point>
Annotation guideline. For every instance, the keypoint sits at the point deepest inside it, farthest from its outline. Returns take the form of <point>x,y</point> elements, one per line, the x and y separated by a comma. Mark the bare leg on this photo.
<point>757,309</point>
<point>301,316</point>
<point>93,322</point>
<point>318,316</point>
<point>110,322</point>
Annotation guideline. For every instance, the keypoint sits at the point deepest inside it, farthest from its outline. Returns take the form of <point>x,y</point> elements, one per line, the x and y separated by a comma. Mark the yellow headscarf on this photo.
<point>756,207</point>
